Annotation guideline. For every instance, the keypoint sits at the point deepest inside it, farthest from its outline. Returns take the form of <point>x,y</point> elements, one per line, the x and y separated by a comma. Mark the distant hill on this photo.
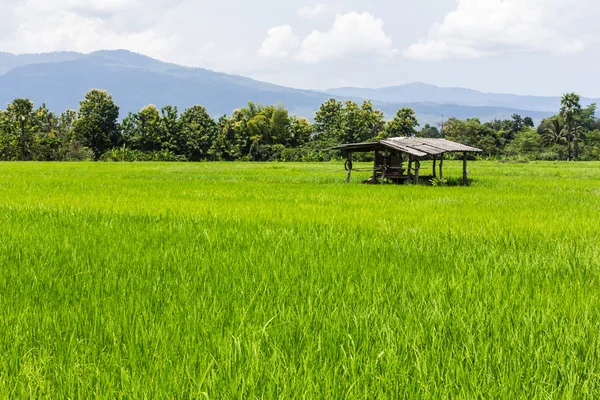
<point>421,92</point>
<point>61,80</point>
<point>9,61</point>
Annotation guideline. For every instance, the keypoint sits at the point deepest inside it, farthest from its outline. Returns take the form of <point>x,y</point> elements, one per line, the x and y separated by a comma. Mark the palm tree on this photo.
<point>569,110</point>
<point>555,133</point>
<point>21,110</point>
<point>576,139</point>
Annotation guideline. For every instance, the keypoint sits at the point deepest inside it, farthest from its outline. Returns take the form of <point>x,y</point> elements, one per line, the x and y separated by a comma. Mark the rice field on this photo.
<point>244,281</point>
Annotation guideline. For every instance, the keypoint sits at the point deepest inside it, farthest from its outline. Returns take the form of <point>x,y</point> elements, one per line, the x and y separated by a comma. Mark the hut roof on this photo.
<point>418,147</point>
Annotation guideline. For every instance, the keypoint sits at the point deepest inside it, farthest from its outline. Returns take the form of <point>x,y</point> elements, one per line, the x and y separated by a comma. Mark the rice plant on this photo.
<point>235,280</point>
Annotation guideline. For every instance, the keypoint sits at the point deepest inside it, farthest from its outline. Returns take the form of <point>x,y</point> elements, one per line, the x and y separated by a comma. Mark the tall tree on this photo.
<point>405,123</point>
<point>46,143</point>
<point>71,147</point>
<point>97,125</point>
<point>555,132</point>
<point>302,131</point>
<point>429,131</point>
<point>528,122</point>
<point>374,121</point>
<point>143,130</point>
<point>21,113</point>
<point>7,137</point>
<point>170,127</point>
<point>353,124</point>
<point>329,121</point>
<point>570,110</point>
<point>198,131</point>
<point>473,133</point>
<point>225,146</point>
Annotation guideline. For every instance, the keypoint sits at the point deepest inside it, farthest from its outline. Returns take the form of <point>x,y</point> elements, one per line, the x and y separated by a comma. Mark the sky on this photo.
<point>541,47</point>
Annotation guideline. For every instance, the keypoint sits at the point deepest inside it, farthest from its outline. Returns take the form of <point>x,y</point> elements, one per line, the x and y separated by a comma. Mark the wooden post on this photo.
<point>442,166</point>
<point>417,170</point>
<point>465,173</point>
<point>374,178</point>
<point>349,163</point>
<point>410,161</point>
<point>384,165</point>
<point>434,166</point>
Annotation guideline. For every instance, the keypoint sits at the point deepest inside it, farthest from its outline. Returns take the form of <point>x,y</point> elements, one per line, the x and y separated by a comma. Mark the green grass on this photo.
<point>279,281</point>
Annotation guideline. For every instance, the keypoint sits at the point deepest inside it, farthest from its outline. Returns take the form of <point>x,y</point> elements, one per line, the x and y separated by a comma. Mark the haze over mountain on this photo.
<point>61,80</point>
<point>421,92</point>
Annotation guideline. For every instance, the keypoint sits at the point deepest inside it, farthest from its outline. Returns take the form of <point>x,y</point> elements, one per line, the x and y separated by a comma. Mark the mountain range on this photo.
<point>61,80</point>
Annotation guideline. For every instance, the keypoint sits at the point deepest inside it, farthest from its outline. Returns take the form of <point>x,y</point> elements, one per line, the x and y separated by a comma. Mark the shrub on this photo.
<point>123,154</point>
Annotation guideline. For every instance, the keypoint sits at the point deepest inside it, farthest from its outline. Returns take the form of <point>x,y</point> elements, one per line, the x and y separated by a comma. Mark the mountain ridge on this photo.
<point>61,80</point>
<point>418,91</point>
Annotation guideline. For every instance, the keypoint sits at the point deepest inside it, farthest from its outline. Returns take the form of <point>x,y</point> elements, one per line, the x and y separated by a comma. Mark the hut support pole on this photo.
<point>374,178</point>
<point>349,167</point>
<point>410,161</point>
<point>442,166</point>
<point>434,166</point>
<point>465,173</point>
<point>417,171</point>
<point>385,164</point>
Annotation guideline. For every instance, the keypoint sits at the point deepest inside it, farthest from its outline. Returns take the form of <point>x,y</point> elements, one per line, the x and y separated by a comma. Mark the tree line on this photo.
<point>269,133</point>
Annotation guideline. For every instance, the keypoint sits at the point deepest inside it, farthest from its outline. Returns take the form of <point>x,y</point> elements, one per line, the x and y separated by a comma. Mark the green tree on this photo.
<point>587,118</point>
<point>429,131</point>
<point>8,139</point>
<point>473,133</point>
<point>280,126</point>
<point>570,110</point>
<point>329,121</point>
<point>170,127</point>
<point>353,124</point>
<point>46,143</point>
<point>528,122</point>
<point>143,130</point>
<point>71,146</point>
<point>97,125</point>
<point>525,143</point>
<point>517,124</point>
<point>554,133</point>
<point>20,111</point>
<point>224,146</point>
<point>301,130</point>
<point>404,124</point>
<point>198,131</point>
<point>374,121</point>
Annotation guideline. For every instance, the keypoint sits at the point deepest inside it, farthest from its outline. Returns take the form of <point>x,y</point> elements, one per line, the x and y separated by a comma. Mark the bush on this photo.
<point>549,156</point>
<point>123,154</point>
<point>76,152</point>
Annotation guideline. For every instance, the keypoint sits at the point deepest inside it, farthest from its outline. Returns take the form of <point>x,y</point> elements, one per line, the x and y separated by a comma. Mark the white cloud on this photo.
<point>280,42</point>
<point>484,27</point>
<point>84,25</point>
<point>351,34</point>
<point>314,12</point>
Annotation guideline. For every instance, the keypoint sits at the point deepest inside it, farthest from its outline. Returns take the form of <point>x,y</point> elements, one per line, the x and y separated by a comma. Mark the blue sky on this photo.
<point>543,47</point>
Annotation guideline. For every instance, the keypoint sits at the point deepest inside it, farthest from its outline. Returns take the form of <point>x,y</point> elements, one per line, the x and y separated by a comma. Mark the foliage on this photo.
<point>429,131</point>
<point>143,130</point>
<point>121,154</point>
<point>404,124</point>
<point>96,125</point>
<point>570,110</point>
<point>525,143</point>
<point>473,133</point>
<point>438,182</point>
<point>268,133</point>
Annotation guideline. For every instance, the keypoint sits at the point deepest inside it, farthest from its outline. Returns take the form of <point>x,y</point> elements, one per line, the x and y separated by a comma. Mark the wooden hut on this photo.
<point>399,159</point>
